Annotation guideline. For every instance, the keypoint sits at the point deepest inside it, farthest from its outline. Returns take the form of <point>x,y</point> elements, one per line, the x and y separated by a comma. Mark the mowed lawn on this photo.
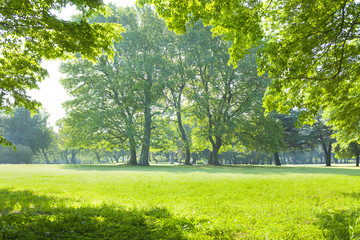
<point>178,202</point>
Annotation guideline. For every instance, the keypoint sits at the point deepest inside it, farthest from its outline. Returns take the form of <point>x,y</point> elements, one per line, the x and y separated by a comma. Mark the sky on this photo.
<point>51,93</point>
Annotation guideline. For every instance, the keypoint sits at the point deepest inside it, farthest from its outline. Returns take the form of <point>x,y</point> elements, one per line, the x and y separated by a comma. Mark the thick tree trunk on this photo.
<point>47,161</point>
<point>277,159</point>
<point>98,157</point>
<point>210,159</point>
<point>132,160</point>
<point>145,146</point>
<point>216,145</point>
<point>73,154</point>
<point>327,151</point>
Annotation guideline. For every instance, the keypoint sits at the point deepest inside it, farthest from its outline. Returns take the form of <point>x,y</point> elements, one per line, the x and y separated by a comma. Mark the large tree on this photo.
<point>223,99</point>
<point>105,101</point>
<point>113,98</point>
<point>30,31</point>
<point>311,50</point>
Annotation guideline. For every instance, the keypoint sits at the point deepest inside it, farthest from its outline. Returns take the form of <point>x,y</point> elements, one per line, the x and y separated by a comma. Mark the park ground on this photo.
<point>179,202</point>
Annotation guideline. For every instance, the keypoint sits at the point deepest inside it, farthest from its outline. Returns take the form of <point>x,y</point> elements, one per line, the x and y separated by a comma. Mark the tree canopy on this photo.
<point>30,31</point>
<point>311,50</point>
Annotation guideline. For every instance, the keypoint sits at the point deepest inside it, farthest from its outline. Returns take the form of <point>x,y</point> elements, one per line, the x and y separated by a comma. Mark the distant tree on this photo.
<point>352,150</point>
<point>22,155</point>
<point>322,135</point>
<point>33,132</point>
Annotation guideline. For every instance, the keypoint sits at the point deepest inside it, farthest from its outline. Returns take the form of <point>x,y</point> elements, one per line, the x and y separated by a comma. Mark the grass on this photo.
<point>168,202</point>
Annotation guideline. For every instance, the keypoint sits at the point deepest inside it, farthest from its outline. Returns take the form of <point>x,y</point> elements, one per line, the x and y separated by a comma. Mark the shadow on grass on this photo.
<point>353,195</point>
<point>25,215</point>
<point>340,224</point>
<point>230,169</point>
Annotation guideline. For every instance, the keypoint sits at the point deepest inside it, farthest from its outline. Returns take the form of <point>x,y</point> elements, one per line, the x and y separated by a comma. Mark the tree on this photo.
<point>238,21</point>
<point>313,59</point>
<point>311,50</point>
<point>322,135</point>
<point>110,95</point>
<point>102,113</point>
<point>350,151</point>
<point>180,71</point>
<point>223,99</point>
<point>33,132</point>
<point>294,137</point>
<point>31,32</point>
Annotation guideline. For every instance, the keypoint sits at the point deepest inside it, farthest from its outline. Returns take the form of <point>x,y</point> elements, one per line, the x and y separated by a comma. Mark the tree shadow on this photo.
<point>25,215</point>
<point>230,169</point>
<point>353,195</point>
<point>340,224</point>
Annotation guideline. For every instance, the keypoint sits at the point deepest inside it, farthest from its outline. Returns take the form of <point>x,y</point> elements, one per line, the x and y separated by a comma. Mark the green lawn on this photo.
<point>168,202</point>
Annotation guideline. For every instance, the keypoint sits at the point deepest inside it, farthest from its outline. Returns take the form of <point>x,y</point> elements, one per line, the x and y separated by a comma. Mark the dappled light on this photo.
<point>185,119</point>
<point>26,215</point>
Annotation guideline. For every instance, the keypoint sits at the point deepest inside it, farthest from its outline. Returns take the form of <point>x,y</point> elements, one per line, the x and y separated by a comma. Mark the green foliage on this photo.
<point>313,59</point>
<point>22,154</point>
<point>31,32</point>
<point>238,21</point>
<point>110,96</point>
<point>310,49</point>
<point>225,103</point>
<point>27,130</point>
<point>87,201</point>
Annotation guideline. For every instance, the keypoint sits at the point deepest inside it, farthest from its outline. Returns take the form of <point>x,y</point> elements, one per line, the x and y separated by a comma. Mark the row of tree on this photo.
<point>37,142</point>
<point>161,88</point>
<point>310,49</point>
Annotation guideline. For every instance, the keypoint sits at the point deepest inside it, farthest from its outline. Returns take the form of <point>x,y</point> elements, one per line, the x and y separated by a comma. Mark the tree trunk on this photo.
<point>73,155</point>
<point>357,154</point>
<point>172,160</point>
<point>183,137</point>
<point>153,156</point>
<point>277,159</point>
<point>327,151</point>
<point>55,161</point>
<point>210,159</point>
<point>216,145</point>
<point>145,145</point>
<point>98,157</point>
<point>123,155</point>
<point>132,146</point>
<point>65,156</point>
<point>45,156</point>
<point>194,158</point>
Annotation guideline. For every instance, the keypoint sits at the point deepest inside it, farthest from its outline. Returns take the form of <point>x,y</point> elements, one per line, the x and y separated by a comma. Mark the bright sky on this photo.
<point>51,93</point>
